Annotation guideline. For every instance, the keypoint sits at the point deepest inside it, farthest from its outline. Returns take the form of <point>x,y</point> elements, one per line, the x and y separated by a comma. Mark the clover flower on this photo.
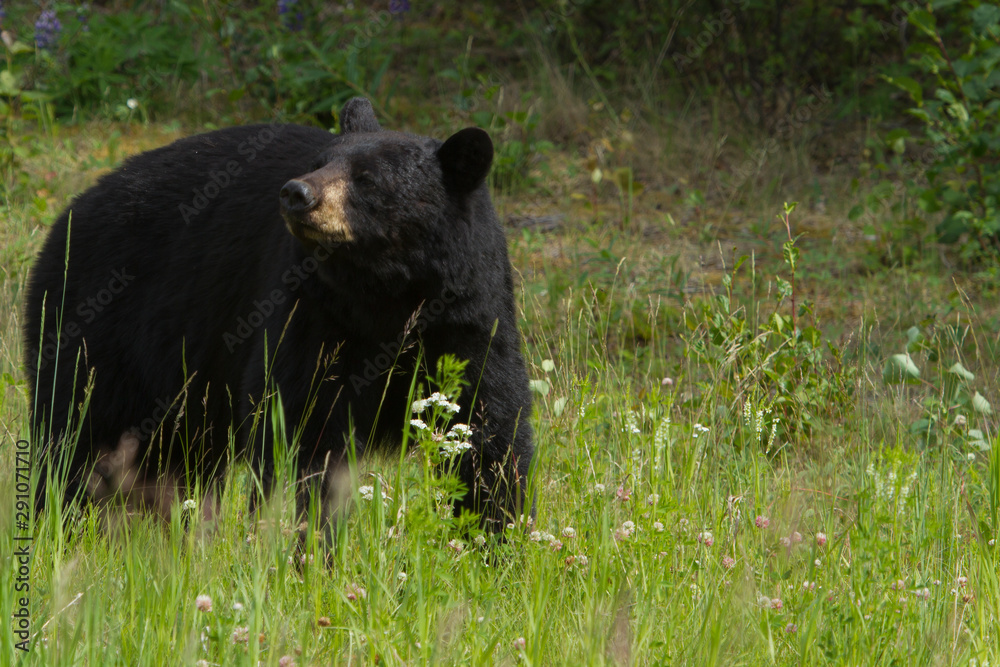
<point>355,592</point>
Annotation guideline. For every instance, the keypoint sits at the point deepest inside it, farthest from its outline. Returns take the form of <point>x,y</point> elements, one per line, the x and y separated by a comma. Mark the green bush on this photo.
<point>956,56</point>
<point>288,58</point>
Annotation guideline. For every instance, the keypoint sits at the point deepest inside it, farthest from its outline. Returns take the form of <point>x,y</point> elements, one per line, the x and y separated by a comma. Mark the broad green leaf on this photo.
<point>559,406</point>
<point>923,20</point>
<point>8,83</point>
<point>540,387</point>
<point>548,365</point>
<point>945,95</point>
<point>960,371</point>
<point>910,86</point>
<point>981,405</point>
<point>19,47</point>
<point>985,16</point>
<point>899,368</point>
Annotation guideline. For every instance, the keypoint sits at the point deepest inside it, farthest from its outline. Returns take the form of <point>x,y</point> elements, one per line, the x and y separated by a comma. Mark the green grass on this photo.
<point>633,470</point>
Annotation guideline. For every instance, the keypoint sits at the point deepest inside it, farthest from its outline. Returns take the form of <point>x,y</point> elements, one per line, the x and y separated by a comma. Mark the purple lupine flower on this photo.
<point>47,29</point>
<point>292,20</point>
<point>399,6</point>
<point>3,13</point>
<point>83,16</point>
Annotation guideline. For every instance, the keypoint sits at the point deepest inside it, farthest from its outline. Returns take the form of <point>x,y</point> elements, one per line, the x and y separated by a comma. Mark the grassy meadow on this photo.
<point>722,478</point>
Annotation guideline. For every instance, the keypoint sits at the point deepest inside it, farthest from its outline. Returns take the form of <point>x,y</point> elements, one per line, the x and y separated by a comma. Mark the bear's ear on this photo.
<point>465,159</point>
<point>358,116</point>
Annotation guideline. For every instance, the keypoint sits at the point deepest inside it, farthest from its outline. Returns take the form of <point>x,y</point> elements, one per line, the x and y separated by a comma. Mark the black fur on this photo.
<point>176,291</point>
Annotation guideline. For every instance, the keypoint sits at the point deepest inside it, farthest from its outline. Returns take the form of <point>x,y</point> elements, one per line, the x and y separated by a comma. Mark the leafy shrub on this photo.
<point>960,118</point>
<point>778,369</point>
<point>760,54</point>
<point>289,58</point>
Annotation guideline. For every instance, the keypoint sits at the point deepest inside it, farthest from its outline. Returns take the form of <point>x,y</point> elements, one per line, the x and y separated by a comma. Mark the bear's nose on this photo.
<point>297,196</point>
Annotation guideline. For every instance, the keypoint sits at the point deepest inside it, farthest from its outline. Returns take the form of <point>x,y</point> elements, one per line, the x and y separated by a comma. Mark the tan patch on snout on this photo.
<point>328,221</point>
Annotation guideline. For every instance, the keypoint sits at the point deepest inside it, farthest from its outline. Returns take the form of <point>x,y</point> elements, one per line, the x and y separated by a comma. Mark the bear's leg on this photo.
<point>497,488</point>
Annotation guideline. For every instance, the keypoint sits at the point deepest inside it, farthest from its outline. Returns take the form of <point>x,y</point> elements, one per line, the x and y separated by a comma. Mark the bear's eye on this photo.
<point>364,178</point>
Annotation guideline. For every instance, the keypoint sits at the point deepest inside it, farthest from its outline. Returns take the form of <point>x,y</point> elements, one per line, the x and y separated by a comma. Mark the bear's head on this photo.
<point>373,190</point>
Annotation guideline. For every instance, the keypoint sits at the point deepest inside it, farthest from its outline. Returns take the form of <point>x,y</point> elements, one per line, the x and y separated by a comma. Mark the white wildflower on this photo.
<point>631,423</point>
<point>451,448</point>
<point>368,493</point>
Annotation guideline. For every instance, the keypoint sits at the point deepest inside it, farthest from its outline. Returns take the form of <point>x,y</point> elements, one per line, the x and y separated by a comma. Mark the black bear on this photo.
<point>210,278</point>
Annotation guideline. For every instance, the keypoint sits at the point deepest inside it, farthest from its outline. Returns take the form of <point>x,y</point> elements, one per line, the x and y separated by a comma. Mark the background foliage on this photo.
<point>767,431</point>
